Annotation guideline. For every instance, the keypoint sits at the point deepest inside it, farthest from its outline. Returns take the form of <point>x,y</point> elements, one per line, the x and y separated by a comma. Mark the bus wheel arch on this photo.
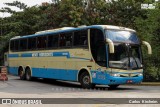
<point>21,73</point>
<point>84,77</point>
<point>28,73</point>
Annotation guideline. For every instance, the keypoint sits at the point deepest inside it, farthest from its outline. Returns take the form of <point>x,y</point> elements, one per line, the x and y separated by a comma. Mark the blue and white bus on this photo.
<point>97,54</point>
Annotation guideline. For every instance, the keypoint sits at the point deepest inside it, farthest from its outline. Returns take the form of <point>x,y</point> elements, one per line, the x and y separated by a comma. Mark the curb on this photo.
<point>146,84</point>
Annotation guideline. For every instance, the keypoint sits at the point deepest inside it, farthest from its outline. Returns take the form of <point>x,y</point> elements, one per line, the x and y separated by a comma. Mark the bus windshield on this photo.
<point>127,53</point>
<point>125,57</point>
<point>122,36</point>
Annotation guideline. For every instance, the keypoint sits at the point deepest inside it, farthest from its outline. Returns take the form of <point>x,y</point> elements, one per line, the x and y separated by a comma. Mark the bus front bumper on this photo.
<point>125,80</point>
<point>107,79</point>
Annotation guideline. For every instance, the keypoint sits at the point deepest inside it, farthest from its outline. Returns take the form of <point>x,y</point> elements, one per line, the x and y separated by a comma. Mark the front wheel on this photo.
<point>85,81</point>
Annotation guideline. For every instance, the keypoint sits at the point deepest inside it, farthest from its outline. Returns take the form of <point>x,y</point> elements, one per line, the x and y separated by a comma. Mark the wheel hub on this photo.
<point>86,80</point>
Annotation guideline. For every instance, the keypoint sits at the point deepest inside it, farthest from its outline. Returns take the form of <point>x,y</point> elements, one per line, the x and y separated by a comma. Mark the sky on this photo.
<point>27,2</point>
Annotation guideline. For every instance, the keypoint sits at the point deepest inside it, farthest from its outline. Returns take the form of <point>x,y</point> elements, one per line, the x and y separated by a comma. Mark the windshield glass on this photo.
<point>122,36</point>
<point>125,57</point>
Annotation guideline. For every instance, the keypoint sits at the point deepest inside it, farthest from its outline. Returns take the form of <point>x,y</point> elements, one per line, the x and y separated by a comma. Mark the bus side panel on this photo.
<point>100,77</point>
<point>51,73</point>
<point>13,70</point>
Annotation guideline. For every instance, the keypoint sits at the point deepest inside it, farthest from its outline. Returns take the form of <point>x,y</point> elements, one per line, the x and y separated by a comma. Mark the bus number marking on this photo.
<point>35,55</point>
<point>45,54</point>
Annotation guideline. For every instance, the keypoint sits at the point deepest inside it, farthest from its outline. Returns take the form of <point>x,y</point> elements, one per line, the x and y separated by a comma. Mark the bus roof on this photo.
<point>67,29</point>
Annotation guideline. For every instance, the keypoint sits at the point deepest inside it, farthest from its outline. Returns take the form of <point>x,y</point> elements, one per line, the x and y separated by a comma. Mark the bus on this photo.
<point>91,55</point>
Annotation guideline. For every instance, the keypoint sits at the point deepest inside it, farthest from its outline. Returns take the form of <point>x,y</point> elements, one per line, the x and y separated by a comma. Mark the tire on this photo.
<point>28,74</point>
<point>22,75</point>
<point>113,86</point>
<point>85,81</point>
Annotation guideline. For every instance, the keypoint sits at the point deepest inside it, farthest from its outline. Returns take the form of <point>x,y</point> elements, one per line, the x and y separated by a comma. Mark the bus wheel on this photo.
<point>21,74</point>
<point>85,81</point>
<point>113,86</point>
<point>28,74</point>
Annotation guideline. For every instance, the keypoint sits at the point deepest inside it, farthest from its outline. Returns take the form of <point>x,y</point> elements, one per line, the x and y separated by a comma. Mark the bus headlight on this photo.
<point>140,74</point>
<point>115,74</point>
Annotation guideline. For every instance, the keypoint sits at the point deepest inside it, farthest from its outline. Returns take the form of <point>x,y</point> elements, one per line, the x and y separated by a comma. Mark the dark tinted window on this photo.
<point>80,38</point>
<point>23,44</point>
<point>98,47</point>
<point>41,42</point>
<point>65,40</point>
<point>16,48</point>
<point>12,45</point>
<point>52,41</point>
<point>32,43</point>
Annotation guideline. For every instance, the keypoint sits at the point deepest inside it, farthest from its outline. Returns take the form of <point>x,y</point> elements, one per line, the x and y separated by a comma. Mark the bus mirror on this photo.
<point>111,45</point>
<point>148,46</point>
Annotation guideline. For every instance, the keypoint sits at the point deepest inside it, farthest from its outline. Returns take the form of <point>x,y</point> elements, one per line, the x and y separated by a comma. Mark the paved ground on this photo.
<point>15,88</point>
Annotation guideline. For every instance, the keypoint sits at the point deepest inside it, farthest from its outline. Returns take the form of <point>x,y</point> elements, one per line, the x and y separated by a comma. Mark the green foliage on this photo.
<point>17,4</point>
<point>149,30</point>
<point>61,13</point>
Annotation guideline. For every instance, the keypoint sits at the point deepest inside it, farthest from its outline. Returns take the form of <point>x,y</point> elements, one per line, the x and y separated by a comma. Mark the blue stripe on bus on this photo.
<point>13,70</point>
<point>71,75</point>
<point>26,55</point>
<point>13,55</point>
<point>54,54</point>
<point>52,73</point>
<point>61,54</point>
<point>61,74</point>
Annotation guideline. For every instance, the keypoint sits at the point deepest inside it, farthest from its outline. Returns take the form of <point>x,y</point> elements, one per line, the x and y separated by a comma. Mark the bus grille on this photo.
<point>129,75</point>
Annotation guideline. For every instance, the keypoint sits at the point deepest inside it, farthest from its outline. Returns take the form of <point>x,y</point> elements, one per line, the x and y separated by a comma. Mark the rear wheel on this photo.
<point>28,74</point>
<point>85,81</point>
<point>22,74</point>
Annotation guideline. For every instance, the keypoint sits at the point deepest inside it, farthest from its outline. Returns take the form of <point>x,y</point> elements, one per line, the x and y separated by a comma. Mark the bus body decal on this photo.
<point>46,54</point>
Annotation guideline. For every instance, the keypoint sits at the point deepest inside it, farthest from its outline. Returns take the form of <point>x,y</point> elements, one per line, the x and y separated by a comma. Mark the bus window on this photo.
<point>80,38</point>
<point>62,40</point>
<point>12,45</point>
<point>41,42</point>
<point>98,48</point>
<point>52,41</point>
<point>23,44</point>
<point>65,40</point>
<point>68,37</point>
<point>32,43</point>
<point>16,44</point>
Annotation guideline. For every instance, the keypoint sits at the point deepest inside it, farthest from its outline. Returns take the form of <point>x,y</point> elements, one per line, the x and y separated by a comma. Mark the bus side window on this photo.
<point>80,38</point>
<point>32,43</point>
<point>41,42</point>
<point>65,40</point>
<point>23,44</point>
<point>53,41</point>
<point>68,39</point>
<point>16,45</point>
<point>12,45</point>
<point>62,40</point>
